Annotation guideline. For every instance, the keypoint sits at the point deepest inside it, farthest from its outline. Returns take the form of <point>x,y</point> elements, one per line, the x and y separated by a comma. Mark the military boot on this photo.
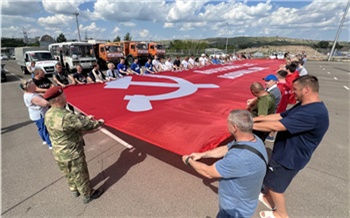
<point>95,194</point>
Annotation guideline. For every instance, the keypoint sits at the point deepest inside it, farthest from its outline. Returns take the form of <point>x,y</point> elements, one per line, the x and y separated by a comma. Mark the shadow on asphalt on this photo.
<point>15,127</point>
<point>128,158</point>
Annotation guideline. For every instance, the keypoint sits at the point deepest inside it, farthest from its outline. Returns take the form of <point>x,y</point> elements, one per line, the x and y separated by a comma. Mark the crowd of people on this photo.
<point>246,173</point>
<point>243,178</point>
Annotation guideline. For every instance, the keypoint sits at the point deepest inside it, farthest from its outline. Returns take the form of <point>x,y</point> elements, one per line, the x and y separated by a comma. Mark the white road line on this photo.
<point>347,88</point>
<point>324,69</point>
<point>121,141</point>
<point>329,72</point>
<point>335,78</point>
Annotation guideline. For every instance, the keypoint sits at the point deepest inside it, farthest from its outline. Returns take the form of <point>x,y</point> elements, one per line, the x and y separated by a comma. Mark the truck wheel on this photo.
<point>130,60</point>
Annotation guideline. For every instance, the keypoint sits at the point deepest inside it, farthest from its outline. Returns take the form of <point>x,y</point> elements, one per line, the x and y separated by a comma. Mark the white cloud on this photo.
<point>62,7</point>
<point>128,24</point>
<point>56,20</point>
<point>116,30</point>
<point>144,33</point>
<point>168,25</point>
<point>23,7</point>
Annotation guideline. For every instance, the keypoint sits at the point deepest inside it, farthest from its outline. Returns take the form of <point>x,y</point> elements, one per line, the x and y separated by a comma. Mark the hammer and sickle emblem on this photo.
<point>139,103</point>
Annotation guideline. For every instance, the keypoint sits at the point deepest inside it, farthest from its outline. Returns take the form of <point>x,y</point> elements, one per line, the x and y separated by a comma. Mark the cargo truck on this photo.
<point>132,50</point>
<point>42,57</point>
<point>155,48</point>
<point>106,52</point>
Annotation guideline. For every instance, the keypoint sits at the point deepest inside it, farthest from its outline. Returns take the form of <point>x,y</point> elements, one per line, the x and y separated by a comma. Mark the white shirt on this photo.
<point>184,64</point>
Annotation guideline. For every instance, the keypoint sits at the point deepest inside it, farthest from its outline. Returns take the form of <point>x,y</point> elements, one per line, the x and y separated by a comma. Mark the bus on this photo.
<point>70,54</point>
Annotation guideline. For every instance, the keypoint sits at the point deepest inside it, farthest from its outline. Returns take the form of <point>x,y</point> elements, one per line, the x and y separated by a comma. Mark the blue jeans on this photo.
<point>43,133</point>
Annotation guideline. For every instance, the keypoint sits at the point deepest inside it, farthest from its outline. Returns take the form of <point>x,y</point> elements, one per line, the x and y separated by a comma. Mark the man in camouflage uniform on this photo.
<point>66,131</point>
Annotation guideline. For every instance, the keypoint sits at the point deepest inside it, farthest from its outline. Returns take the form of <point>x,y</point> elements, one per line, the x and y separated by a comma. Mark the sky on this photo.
<point>155,20</point>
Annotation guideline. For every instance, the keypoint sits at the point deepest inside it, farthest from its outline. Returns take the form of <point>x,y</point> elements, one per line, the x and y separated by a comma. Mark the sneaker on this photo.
<point>50,147</point>
<point>96,194</point>
<point>44,143</point>
<point>270,138</point>
<point>75,194</point>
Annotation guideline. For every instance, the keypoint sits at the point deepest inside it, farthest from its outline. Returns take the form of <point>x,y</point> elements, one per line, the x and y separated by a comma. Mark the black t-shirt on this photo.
<point>62,77</point>
<point>81,77</point>
<point>43,83</point>
<point>177,62</point>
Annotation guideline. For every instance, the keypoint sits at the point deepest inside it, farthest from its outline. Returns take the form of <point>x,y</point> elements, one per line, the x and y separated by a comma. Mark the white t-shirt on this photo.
<point>35,111</point>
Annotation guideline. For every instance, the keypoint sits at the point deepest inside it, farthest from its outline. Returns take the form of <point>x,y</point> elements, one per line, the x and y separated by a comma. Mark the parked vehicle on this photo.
<point>218,54</point>
<point>70,54</point>
<point>132,50</point>
<point>277,55</point>
<point>106,52</point>
<point>13,57</point>
<point>41,56</point>
<point>4,57</point>
<point>156,49</point>
<point>3,73</point>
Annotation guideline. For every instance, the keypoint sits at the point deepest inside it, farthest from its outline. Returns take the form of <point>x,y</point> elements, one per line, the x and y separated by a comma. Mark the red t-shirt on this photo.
<point>289,82</point>
<point>285,95</point>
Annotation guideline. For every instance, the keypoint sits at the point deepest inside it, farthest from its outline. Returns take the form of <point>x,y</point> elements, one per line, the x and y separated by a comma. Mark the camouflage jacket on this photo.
<point>66,132</point>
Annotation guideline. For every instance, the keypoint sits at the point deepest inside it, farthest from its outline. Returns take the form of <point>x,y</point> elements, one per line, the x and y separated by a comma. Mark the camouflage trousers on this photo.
<point>77,175</point>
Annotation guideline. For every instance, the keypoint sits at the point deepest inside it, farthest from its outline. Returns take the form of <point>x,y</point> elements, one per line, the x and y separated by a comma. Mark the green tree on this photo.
<point>117,39</point>
<point>337,46</point>
<point>61,38</point>
<point>323,44</point>
<point>127,37</point>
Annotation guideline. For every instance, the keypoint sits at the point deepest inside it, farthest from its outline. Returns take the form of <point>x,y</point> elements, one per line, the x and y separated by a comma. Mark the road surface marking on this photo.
<point>329,72</point>
<point>347,88</point>
<point>335,78</point>
<point>121,141</point>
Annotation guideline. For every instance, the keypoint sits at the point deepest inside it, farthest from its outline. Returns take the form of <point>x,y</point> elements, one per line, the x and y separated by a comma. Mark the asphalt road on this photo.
<point>147,181</point>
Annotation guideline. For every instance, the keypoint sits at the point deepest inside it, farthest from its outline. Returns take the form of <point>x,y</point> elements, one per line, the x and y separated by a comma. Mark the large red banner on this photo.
<point>182,112</point>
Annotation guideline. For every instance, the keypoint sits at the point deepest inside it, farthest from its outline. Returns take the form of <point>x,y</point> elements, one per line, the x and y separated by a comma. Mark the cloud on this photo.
<point>128,24</point>
<point>144,33</point>
<point>56,20</point>
<point>62,7</point>
<point>116,30</point>
<point>23,7</point>
<point>127,10</point>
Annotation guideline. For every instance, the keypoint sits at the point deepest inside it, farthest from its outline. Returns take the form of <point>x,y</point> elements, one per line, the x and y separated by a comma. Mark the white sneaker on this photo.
<point>50,148</point>
<point>44,143</point>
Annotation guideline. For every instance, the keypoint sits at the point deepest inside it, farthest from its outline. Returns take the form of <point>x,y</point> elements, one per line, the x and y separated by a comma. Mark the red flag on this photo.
<point>182,112</point>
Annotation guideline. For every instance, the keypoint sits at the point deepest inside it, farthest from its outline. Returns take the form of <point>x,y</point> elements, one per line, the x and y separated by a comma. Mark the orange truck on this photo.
<point>106,52</point>
<point>132,50</point>
<point>155,48</point>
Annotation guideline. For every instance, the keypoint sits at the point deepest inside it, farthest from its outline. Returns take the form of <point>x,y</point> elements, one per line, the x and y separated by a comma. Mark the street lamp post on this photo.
<point>226,38</point>
<point>76,18</point>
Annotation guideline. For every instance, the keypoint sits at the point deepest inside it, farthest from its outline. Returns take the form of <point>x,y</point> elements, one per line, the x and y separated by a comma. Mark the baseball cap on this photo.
<point>203,55</point>
<point>53,92</point>
<point>270,77</point>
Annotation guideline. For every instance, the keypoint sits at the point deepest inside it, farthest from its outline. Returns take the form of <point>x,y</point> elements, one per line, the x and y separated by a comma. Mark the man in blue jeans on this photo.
<point>240,171</point>
<point>300,131</point>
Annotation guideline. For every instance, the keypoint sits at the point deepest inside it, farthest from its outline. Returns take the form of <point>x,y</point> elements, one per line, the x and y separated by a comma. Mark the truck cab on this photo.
<point>107,52</point>
<point>42,57</point>
<point>132,50</point>
<point>156,49</point>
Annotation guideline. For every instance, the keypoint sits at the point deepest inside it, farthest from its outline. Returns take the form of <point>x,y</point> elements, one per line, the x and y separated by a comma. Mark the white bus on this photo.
<point>70,54</point>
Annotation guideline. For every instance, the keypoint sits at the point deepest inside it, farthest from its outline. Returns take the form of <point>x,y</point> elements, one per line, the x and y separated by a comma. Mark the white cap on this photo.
<point>203,55</point>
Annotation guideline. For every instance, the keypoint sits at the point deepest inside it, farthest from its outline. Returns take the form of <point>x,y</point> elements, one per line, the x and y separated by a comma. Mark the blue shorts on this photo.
<point>278,177</point>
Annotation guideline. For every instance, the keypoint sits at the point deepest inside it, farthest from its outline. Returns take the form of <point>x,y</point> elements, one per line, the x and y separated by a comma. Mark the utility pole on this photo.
<point>76,18</point>
<point>227,37</point>
<point>339,30</point>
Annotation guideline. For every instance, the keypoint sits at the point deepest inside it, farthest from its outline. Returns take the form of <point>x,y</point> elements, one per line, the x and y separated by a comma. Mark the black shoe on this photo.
<point>96,194</point>
<point>75,194</point>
